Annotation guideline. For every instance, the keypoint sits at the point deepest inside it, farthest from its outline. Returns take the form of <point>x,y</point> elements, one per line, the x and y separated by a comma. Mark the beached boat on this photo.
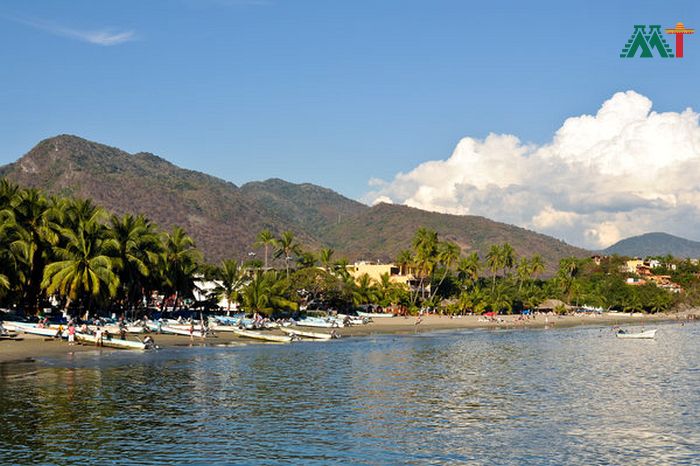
<point>185,331</point>
<point>314,335</point>
<point>33,329</point>
<point>644,335</point>
<point>111,342</point>
<point>263,336</point>
<point>375,314</point>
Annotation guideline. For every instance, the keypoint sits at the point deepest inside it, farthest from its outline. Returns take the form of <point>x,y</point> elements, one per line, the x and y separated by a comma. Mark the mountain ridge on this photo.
<point>655,244</point>
<point>224,219</point>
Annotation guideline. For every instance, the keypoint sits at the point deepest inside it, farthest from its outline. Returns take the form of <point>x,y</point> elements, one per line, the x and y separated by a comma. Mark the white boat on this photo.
<point>183,331</point>
<point>645,335</point>
<point>223,328</point>
<point>315,335</point>
<point>263,336</point>
<point>34,330</point>
<point>111,342</point>
<point>375,314</point>
<point>318,322</point>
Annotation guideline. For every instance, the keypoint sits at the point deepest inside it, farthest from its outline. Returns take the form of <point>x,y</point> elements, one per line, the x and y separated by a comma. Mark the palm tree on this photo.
<point>468,269</point>
<point>340,267</point>
<point>494,260</point>
<point>364,291</point>
<point>448,253</point>
<point>325,256</point>
<point>265,239</point>
<point>83,271</point>
<point>306,259</point>
<point>286,246</point>
<point>500,301</point>
<point>35,224</point>
<point>507,257</point>
<point>404,261</point>
<point>179,262</point>
<point>231,280</point>
<point>425,246</point>
<point>265,293</point>
<point>136,247</point>
<point>537,266</point>
<point>523,271</point>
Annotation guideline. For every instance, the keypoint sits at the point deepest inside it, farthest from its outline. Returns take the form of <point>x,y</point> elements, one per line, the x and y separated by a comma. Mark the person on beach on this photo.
<point>98,337</point>
<point>59,332</point>
<point>71,334</point>
<point>191,331</point>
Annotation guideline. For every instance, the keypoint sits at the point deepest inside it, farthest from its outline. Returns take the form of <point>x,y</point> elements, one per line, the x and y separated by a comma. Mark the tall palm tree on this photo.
<point>448,254</point>
<point>523,271</point>
<point>265,240</point>
<point>179,263</point>
<point>136,247</point>
<point>286,246</point>
<point>537,266</point>
<point>507,258</point>
<point>231,280</point>
<point>425,246</point>
<point>494,260</point>
<point>83,270</point>
<point>468,269</point>
<point>36,224</point>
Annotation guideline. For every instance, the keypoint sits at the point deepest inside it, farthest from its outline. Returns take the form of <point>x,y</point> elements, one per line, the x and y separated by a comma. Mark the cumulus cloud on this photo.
<point>624,171</point>
<point>104,37</point>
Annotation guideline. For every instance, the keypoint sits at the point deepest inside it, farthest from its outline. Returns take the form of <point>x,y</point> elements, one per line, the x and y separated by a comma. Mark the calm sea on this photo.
<point>574,396</point>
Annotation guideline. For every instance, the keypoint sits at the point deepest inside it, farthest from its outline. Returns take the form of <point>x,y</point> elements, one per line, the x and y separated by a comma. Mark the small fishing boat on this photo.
<point>183,331</point>
<point>111,342</point>
<point>314,335</point>
<point>643,335</point>
<point>33,329</point>
<point>263,336</point>
<point>319,322</point>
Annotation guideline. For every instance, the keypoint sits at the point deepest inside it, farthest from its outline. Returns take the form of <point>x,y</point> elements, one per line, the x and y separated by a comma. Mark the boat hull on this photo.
<point>262,336</point>
<point>313,335</point>
<point>111,342</point>
<point>648,335</point>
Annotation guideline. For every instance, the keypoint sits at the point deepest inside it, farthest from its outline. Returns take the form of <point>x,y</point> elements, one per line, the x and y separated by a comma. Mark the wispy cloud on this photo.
<point>105,37</point>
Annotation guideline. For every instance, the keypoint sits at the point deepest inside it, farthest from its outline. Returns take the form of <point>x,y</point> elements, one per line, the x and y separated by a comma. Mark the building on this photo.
<point>375,270</point>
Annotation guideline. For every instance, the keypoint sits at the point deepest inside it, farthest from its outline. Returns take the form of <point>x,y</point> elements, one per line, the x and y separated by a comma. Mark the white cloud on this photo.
<point>626,170</point>
<point>104,37</point>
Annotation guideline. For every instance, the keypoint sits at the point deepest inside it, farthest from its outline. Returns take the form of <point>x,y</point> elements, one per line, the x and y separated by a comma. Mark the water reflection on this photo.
<point>544,397</point>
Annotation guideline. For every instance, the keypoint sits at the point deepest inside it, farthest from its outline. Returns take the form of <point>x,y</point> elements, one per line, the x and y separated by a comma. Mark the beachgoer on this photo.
<point>59,332</point>
<point>71,334</point>
<point>98,337</point>
<point>191,331</point>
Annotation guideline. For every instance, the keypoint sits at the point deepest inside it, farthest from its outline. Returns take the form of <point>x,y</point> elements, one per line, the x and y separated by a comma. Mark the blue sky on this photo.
<point>330,92</point>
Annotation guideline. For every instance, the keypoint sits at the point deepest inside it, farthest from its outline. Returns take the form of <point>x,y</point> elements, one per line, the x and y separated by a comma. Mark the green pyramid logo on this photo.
<point>646,41</point>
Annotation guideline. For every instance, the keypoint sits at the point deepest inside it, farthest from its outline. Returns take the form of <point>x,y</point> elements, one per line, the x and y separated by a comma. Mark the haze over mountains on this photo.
<point>224,219</point>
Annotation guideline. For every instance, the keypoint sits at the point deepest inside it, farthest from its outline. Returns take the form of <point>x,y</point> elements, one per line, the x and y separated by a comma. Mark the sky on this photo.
<point>523,112</point>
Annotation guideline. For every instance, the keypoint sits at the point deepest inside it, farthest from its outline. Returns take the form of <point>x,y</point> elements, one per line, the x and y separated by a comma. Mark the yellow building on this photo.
<point>631,265</point>
<point>375,271</point>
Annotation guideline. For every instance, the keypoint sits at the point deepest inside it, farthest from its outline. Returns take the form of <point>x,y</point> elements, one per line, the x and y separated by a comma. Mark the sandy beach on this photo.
<point>30,347</point>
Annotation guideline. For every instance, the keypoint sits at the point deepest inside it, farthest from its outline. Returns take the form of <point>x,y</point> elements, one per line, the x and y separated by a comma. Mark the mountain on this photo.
<point>224,219</point>
<point>655,244</point>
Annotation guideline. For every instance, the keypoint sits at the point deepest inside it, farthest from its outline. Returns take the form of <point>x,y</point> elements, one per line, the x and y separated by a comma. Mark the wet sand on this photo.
<point>33,346</point>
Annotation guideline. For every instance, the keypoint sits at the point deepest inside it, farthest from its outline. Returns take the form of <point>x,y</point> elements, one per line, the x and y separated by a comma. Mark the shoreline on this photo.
<point>32,347</point>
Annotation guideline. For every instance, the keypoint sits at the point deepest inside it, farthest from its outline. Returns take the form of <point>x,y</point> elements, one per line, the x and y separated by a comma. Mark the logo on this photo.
<point>649,39</point>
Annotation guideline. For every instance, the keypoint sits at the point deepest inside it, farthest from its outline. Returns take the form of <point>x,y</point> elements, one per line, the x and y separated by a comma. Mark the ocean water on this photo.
<point>570,396</point>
